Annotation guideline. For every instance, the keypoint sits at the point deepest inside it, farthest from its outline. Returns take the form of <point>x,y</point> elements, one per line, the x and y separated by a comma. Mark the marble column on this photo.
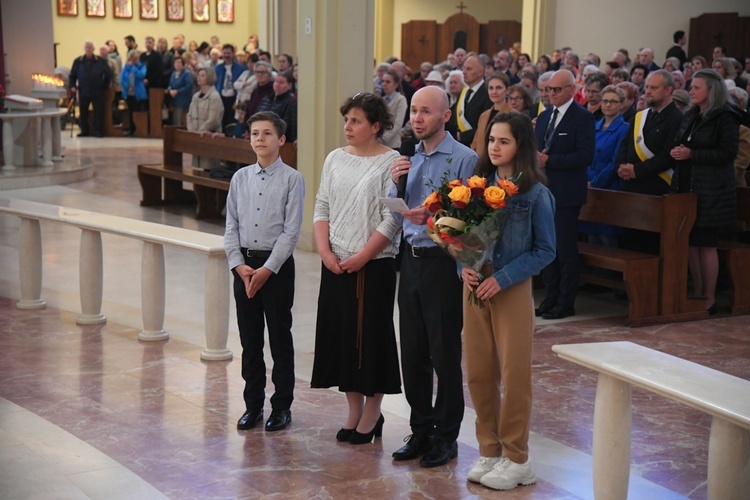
<point>30,265</point>
<point>335,43</point>
<point>728,461</point>
<point>217,309</point>
<point>612,432</point>
<point>153,292</point>
<point>91,279</point>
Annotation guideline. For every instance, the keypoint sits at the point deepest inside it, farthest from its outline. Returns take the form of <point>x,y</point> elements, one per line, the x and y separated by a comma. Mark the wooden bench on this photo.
<point>724,397</point>
<point>656,285</point>
<point>163,183</point>
<point>736,254</point>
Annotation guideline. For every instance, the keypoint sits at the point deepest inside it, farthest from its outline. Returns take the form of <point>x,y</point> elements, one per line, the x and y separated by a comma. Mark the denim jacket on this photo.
<point>527,240</point>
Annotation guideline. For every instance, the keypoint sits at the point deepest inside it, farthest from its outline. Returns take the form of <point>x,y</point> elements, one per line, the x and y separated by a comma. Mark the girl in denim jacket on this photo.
<point>498,336</point>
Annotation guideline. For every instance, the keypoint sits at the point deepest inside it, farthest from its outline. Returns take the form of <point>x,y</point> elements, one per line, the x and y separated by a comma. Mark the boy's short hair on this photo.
<point>268,116</point>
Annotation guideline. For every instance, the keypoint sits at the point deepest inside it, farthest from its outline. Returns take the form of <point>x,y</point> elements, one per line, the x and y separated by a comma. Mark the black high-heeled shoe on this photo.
<point>344,434</point>
<point>377,431</point>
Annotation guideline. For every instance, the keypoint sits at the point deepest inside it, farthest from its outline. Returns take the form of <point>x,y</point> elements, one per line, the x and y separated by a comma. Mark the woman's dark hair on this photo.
<point>374,108</point>
<point>500,75</point>
<point>526,151</point>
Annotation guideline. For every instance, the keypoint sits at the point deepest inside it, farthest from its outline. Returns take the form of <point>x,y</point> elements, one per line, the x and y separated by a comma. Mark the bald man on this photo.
<point>566,137</point>
<point>93,75</point>
<point>429,296</point>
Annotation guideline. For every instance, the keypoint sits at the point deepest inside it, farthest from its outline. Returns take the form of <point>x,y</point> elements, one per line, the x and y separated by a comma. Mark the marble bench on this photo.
<point>725,397</point>
<point>154,237</point>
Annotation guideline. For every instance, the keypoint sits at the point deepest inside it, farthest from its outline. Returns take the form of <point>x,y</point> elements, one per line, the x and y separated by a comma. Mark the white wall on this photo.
<point>24,54</point>
<point>603,27</point>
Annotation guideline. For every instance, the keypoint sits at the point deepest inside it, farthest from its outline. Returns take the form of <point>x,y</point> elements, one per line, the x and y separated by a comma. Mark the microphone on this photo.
<point>407,149</point>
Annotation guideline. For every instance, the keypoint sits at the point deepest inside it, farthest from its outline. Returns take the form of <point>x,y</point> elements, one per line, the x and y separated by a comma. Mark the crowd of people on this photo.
<point>244,79</point>
<point>555,126</point>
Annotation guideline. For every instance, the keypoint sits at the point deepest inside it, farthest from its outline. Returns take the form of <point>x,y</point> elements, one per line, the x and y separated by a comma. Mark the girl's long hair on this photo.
<point>525,162</point>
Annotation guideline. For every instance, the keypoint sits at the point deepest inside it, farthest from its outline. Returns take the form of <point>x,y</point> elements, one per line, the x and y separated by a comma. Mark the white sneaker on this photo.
<point>506,475</point>
<point>482,467</point>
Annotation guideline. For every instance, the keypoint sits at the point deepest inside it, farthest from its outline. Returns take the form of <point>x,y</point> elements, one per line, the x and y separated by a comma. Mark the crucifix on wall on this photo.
<point>462,7</point>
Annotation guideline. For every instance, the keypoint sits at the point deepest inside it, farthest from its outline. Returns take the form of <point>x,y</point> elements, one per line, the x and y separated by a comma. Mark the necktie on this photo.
<point>550,129</point>
<point>650,118</point>
<point>468,96</point>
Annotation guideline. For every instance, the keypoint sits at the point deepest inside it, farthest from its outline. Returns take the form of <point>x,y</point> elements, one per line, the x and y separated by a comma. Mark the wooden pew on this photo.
<point>155,103</point>
<point>722,396</point>
<point>736,255</point>
<point>163,183</point>
<point>656,286</point>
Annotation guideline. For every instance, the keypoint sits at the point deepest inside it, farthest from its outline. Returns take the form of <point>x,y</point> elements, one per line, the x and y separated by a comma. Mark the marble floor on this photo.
<point>91,412</point>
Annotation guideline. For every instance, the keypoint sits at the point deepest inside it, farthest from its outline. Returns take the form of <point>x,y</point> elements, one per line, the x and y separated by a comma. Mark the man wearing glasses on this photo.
<point>264,79</point>
<point>565,133</point>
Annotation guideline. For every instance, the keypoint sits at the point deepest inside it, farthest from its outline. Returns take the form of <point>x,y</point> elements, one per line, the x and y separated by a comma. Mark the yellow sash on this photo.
<point>540,109</point>
<point>463,123</point>
<point>640,144</point>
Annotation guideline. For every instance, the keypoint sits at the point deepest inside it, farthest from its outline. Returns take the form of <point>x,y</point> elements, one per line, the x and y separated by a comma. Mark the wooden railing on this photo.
<point>154,237</point>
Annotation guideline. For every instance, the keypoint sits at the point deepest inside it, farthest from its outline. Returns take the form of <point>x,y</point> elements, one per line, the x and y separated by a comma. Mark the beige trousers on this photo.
<point>498,347</point>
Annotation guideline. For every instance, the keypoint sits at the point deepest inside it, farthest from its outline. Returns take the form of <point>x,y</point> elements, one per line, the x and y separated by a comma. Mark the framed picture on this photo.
<point>200,11</point>
<point>224,11</point>
<point>123,9</point>
<point>67,7</point>
<point>175,10</point>
<point>149,10</point>
<point>95,8</point>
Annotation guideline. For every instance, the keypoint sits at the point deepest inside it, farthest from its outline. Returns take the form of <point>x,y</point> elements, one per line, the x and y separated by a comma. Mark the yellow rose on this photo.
<point>508,186</point>
<point>476,184</point>
<point>454,183</point>
<point>460,196</point>
<point>494,197</point>
<point>432,202</point>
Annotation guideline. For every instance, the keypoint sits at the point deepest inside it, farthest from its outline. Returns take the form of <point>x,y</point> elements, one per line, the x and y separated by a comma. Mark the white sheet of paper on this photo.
<point>396,205</point>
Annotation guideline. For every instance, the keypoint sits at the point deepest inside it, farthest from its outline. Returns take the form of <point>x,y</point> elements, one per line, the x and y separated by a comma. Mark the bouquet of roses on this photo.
<point>466,219</point>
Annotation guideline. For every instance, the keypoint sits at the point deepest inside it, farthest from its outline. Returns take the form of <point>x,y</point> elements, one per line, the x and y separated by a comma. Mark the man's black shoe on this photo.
<point>545,306</point>
<point>416,445</point>
<point>440,453</point>
<point>250,419</point>
<point>559,312</point>
<point>278,420</point>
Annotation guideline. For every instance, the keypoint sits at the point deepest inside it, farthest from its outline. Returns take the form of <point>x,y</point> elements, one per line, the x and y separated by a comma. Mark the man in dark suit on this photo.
<point>565,133</point>
<point>643,161</point>
<point>473,101</point>
<point>676,50</point>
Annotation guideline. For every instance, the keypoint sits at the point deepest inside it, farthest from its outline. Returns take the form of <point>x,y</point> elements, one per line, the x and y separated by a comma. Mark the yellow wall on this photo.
<point>71,32</point>
<point>440,10</point>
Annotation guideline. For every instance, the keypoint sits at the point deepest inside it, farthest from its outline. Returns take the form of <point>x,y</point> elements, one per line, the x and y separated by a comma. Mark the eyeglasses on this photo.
<point>557,90</point>
<point>593,91</point>
<point>516,99</point>
<point>262,72</point>
<point>607,102</point>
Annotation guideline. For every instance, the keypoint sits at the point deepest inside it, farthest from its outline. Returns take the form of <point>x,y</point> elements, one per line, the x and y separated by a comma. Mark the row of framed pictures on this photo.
<point>149,9</point>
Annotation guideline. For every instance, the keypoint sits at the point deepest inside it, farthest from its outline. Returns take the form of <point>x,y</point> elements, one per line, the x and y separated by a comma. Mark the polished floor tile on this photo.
<point>98,414</point>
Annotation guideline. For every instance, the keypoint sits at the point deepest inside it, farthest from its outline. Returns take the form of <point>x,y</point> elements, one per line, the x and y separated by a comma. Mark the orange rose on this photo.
<point>509,187</point>
<point>460,196</point>
<point>477,185</point>
<point>432,202</point>
<point>455,183</point>
<point>494,197</point>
